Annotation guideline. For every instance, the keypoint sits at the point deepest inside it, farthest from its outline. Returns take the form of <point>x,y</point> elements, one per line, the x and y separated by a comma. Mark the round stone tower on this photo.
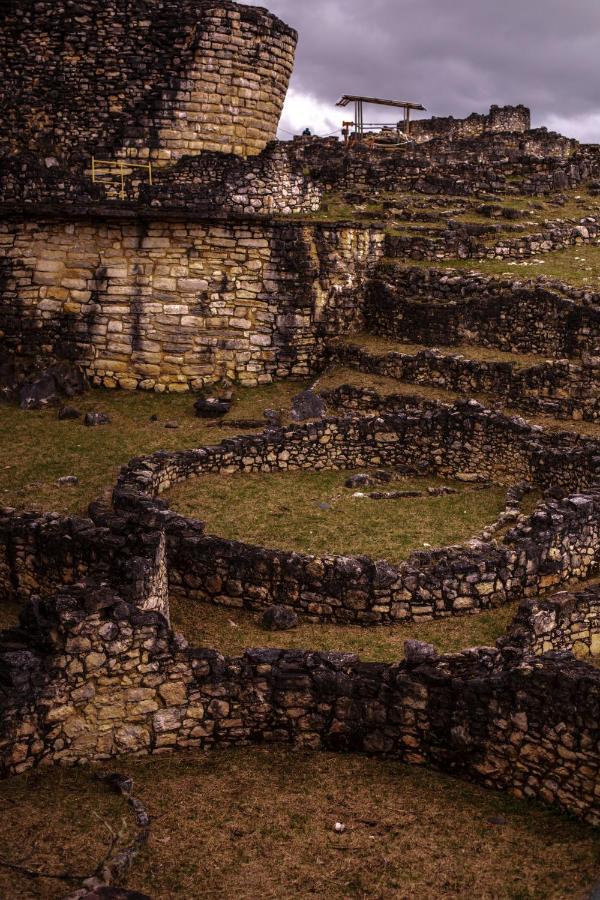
<point>156,79</point>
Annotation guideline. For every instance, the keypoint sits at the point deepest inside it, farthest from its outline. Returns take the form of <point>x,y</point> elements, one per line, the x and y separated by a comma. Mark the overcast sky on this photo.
<point>454,56</point>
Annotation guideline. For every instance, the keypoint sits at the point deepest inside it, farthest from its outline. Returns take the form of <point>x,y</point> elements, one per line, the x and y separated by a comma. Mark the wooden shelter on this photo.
<point>361,127</point>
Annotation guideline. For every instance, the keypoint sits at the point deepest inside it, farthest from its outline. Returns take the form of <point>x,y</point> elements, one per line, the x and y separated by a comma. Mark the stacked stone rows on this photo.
<point>169,306</point>
<point>155,82</point>
<point>437,308</point>
<point>114,680</point>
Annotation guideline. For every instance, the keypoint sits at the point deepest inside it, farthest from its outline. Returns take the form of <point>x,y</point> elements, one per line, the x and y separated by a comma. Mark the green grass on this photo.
<point>231,631</point>
<point>578,266</point>
<point>284,510</point>
<point>36,448</point>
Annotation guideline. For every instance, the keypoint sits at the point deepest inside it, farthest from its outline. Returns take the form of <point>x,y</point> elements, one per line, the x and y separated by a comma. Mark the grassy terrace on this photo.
<point>579,266</point>
<point>312,512</point>
<point>379,346</point>
<point>37,449</point>
<point>231,631</point>
<point>224,823</point>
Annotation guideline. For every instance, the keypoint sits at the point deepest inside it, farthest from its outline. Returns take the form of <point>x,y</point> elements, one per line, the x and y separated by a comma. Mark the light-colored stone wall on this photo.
<point>169,306</point>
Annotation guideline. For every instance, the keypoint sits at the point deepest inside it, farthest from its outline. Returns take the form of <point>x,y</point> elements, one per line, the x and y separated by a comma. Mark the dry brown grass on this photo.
<point>379,346</point>
<point>37,449</point>
<point>312,512</point>
<point>56,822</point>
<point>257,822</point>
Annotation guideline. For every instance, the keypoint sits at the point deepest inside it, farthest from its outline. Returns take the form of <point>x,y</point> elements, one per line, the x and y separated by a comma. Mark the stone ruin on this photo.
<point>221,267</point>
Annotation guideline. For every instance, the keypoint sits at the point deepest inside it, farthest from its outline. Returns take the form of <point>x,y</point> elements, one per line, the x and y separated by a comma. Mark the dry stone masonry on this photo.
<point>558,542</point>
<point>227,265</point>
<point>151,80</point>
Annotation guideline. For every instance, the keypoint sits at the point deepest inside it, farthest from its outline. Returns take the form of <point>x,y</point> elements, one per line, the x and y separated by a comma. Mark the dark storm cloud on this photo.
<point>455,56</point>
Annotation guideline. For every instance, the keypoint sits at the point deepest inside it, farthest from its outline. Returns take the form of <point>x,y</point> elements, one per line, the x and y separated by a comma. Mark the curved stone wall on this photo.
<point>89,676</point>
<point>169,305</point>
<point>560,541</point>
<point>158,80</point>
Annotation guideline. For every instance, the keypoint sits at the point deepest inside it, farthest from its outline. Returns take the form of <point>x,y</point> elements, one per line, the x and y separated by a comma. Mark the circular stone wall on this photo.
<point>558,542</point>
<point>168,78</point>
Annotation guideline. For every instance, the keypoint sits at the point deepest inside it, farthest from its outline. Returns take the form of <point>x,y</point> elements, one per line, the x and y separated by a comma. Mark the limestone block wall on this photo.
<point>90,677</point>
<point>158,80</point>
<point>169,305</point>
<point>435,307</point>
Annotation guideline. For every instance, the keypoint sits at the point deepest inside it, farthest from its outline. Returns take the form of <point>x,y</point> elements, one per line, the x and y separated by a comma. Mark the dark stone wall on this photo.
<point>89,677</point>
<point>162,78</point>
<point>432,307</point>
<point>564,389</point>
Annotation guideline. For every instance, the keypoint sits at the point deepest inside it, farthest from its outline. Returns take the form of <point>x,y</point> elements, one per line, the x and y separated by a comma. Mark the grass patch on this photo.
<point>231,631</point>
<point>255,822</point>
<point>56,822</point>
<point>36,448</point>
<point>312,512</point>
<point>578,266</point>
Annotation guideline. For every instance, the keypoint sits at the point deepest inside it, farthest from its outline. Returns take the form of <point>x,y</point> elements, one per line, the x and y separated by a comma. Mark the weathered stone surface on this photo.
<point>307,405</point>
<point>279,618</point>
<point>96,418</point>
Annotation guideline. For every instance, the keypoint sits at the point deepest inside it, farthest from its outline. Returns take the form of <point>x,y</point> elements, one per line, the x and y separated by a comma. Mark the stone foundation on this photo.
<point>164,305</point>
<point>558,542</point>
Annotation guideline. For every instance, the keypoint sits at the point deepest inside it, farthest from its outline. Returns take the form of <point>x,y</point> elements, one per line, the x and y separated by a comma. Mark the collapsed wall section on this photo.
<point>515,119</point>
<point>170,305</point>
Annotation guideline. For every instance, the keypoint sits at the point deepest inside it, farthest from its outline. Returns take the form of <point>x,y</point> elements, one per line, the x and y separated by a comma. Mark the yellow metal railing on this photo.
<point>105,171</point>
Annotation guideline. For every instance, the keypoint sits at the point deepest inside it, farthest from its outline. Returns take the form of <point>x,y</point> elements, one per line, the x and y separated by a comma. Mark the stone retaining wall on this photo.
<point>456,241</point>
<point>39,554</point>
<point>90,677</point>
<point>155,80</point>
<point>170,305</point>
<point>563,389</point>
<point>437,308</point>
<point>558,542</point>
<point>567,621</point>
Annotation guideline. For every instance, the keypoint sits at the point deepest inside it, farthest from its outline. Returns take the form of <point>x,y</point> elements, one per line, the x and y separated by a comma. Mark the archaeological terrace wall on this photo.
<point>564,389</point>
<point>515,119</point>
<point>432,307</point>
<point>169,305</point>
<point>158,80</point>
